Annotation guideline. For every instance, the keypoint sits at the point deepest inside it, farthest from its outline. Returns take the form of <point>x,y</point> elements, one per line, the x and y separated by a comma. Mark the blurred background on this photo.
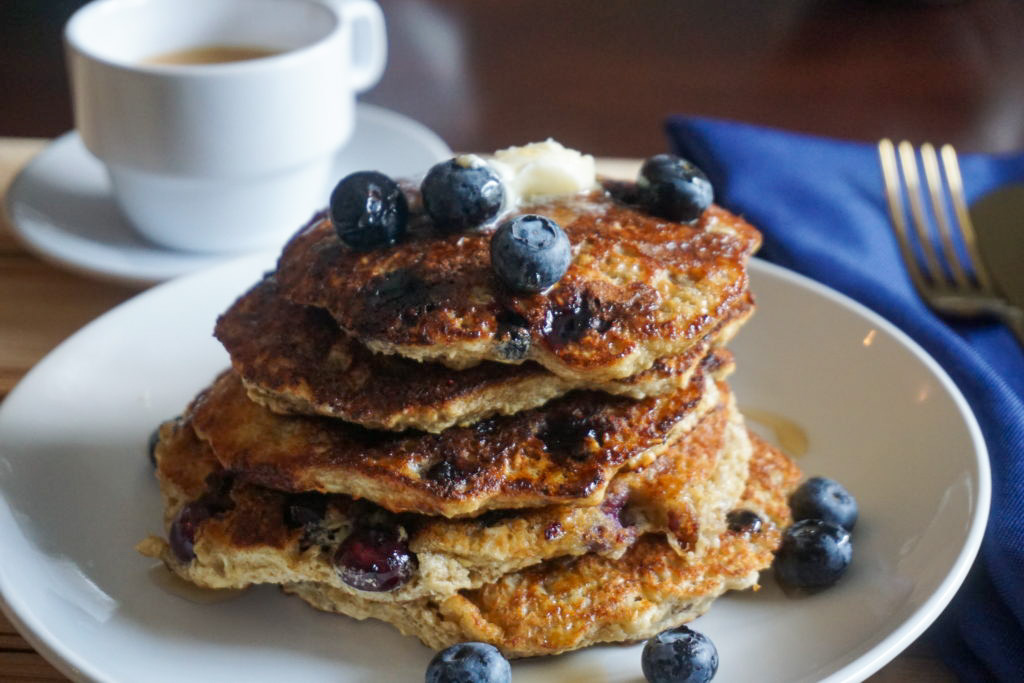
<point>601,76</point>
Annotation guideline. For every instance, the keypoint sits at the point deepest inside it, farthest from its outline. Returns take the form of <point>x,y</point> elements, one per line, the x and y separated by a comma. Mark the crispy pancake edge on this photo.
<point>639,288</point>
<point>294,360</point>
<point>565,605</point>
<point>565,451</point>
<point>683,494</point>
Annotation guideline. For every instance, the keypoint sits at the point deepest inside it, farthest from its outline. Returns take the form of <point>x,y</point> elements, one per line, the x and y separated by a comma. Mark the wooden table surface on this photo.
<point>599,76</point>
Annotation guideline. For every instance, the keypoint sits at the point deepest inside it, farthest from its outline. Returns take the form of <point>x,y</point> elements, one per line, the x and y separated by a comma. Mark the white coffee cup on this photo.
<point>225,156</point>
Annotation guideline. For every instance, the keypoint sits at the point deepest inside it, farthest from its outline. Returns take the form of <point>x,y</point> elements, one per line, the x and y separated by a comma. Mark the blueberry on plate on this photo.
<point>813,555</point>
<point>824,499</point>
<point>469,663</point>
<point>673,188</point>
<point>530,253</point>
<point>679,655</point>
<point>369,210</point>
<point>462,193</point>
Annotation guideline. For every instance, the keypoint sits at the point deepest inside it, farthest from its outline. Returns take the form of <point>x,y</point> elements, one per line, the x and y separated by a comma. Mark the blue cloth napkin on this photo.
<point>820,205</point>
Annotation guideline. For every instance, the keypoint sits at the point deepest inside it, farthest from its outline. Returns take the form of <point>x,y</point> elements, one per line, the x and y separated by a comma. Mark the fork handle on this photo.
<point>1013,317</point>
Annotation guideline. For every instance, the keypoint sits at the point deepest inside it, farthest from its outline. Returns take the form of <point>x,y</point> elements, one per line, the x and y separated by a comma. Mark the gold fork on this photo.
<point>951,281</point>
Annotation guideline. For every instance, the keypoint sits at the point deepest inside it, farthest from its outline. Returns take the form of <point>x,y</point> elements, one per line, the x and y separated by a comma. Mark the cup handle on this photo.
<point>369,40</point>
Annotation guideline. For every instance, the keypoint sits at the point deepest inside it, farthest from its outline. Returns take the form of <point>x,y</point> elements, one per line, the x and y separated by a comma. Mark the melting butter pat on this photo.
<point>543,169</point>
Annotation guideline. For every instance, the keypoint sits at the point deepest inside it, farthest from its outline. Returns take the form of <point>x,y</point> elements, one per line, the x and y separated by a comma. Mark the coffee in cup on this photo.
<point>219,120</point>
<point>211,54</point>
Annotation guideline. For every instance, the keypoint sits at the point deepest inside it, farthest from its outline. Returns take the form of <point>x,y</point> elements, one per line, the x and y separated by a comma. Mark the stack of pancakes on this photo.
<point>402,437</point>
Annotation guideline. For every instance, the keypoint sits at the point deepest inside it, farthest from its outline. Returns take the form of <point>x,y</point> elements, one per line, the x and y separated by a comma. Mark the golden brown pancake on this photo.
<point>639,288</point>
<point>563,452</point>
<point>545,471</point>
<point>257,538</point>
<point>685,492</point>
<point>294,359</point>
<point>569,603</point>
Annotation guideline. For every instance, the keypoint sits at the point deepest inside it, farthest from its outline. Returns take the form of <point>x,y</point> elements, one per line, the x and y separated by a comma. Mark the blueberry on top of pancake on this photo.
<point>638,288</point>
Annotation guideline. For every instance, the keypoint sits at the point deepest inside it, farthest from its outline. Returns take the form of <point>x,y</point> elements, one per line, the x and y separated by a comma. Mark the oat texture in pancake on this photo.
<point>295,359</point>
<point>569,603</point>
<point>639,288</point>
<point>565,451</point>
<point>258,535</point>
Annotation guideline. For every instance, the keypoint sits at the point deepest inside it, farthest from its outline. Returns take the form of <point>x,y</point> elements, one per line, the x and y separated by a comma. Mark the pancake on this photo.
<point>563,452</point>
<point>569,603</point>
<point>639,288</point>
<point>257,538</point>
<point>294,359</point>
<point>685,493</point>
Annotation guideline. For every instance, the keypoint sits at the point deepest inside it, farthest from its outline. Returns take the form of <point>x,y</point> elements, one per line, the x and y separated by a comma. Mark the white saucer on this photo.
<point>61,207</point>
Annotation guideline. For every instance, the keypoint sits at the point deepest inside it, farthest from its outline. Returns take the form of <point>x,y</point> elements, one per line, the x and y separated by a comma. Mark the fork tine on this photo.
<point>959,296</point>
<point>963,217</point>
<point>891,176</point>
<point>933,181</point>
<point>908,163</point>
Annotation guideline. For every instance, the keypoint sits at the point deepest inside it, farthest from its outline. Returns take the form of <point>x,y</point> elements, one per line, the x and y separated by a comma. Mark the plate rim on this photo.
<point>925,615</point>
<point>72,665</point>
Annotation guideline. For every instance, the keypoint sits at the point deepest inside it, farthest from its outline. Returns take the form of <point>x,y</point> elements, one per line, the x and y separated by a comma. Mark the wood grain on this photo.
<point>19,662</point>
<point>40,304</point>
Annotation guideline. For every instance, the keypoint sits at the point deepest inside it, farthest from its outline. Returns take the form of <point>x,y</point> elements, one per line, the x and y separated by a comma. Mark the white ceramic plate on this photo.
<point>78,493</point>
<point>61,204</point>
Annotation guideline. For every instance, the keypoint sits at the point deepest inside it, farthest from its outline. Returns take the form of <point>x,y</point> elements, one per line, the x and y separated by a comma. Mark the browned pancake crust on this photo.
<point>680,494</point>
<point>557,606</point>
<point>565,451</point>
<point>294,359</point>
<point>656,491</point>
<point>568,603</point>
<point>639,288</point>
<point>668,495</point>
<point>184,464</point>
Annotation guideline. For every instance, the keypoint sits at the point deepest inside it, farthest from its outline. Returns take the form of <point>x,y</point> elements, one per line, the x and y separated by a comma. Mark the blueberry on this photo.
<point>469,663</point>
<point>305,509</point>
<point>369,210</point>
<point>182,534</point>
<point>673,188</point>
<point>824,499</point>
<point>679,655</point>
<point>530,253</point>
<point>216,501</point>
<point>813,555</point>
<point>462,193</point>
<point>375,559</point>
<point>154,439</point>
<point>743,522</point>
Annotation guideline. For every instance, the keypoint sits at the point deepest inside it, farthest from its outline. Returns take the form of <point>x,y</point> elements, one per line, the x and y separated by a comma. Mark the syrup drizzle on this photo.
<point>171,583</point>
<point>790,436</point>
